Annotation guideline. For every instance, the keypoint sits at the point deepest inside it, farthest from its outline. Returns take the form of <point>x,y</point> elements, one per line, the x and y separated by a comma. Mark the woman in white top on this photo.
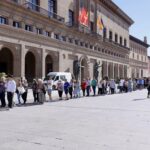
<point>49,88</point>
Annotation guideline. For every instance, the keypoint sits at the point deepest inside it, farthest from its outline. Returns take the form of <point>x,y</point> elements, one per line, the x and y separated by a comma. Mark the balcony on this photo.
<point>42,11</point>
<point>14,1</point>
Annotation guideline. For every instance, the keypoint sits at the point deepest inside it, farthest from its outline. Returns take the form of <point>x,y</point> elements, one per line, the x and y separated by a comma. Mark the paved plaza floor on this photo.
<point>112,122</point>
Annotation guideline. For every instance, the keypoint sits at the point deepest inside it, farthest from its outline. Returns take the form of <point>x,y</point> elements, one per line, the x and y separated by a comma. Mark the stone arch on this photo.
<point>48,64</point>
<point>84,71</point>
<point>6,60</point>
<point>30,66</point>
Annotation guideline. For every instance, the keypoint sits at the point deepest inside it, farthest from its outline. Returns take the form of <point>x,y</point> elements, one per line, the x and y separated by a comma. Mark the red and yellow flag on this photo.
<point>100,24</point>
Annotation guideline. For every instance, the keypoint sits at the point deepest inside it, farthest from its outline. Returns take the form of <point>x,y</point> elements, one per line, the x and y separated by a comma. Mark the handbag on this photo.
<point>21,89</point>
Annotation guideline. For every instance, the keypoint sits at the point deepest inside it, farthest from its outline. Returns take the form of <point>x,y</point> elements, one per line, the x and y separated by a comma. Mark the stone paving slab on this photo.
<point>113,122</point>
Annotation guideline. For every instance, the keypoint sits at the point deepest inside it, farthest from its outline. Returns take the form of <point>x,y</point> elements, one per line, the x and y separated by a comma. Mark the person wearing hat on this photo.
<point>10,88</point>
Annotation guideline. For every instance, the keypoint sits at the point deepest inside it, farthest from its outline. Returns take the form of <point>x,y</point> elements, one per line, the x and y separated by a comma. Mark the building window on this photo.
<point>70,40</point>
<point>125,42</point>
<point>63,38</point>
<point>35,4</point>
<point>38,31</point>
<point>110,35</point>
<point>95,48</point>
<point>52,7</point>
<point>76,42</point>
<point>3,20</point>
<point>81,43</point>
<point>16,24</point>
<point>120,40</point>
<point>105,33</point>
<point>91,46</point>
<point>71,17</point>
<point>16,1</point>
<point>116,38</point>
<point>47,33</point>
<point>28,27</point>
<point>92,26</point>
<point>56,36</point>
<point>86,45</point>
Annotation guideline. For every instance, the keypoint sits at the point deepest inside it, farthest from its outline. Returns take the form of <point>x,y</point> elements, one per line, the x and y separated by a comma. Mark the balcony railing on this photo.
<point>42,11</point>
<point>14,1</point>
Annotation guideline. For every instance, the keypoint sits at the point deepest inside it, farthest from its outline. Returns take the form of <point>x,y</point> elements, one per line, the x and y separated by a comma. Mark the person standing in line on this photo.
<point>148,88</point>
<point>11,88</point>
<point>24,95</point>
<point>34,89</point>
<point>2,92</point>
<point>75,91</point>
<point>88,86</point>
<point>49,88</point>
<point>130,85</point>
<point>19,90</point>
<point>66,88</point>
<point>71,88</point>
<point>60,89</point>
<point>126,85</point>
<point>94,84</point>
<point>121,84</point>
<point>100,90</point>
<point>104,86</point>
<point>41,91</point>
<point>83,86</point>
<point>78,89</point>
<point>112,86</point>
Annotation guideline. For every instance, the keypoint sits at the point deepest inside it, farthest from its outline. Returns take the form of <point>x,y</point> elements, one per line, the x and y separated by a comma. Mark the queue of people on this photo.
<point>71,89</point>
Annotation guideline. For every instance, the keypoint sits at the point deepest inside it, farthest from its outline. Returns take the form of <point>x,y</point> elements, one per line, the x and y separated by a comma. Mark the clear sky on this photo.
<point>139,11</point>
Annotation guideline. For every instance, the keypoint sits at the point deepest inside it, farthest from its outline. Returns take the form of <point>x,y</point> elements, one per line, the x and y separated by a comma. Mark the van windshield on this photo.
<point>52,76</point>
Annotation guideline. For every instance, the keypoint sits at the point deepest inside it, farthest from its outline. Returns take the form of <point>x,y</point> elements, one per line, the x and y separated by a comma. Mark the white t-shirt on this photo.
<point>49,84</point>
<point>11,86</point>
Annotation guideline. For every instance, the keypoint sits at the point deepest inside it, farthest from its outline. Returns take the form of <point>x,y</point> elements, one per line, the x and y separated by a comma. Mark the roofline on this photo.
<point>110,4</point>
<point>139,41</point>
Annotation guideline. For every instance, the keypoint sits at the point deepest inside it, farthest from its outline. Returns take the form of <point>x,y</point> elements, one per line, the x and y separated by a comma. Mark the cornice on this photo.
<point>113,7</point>
<point>22,35</point>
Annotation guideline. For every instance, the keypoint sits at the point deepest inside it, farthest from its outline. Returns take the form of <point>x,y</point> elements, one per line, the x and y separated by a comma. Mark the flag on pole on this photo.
<point>83,17</point>
<point>100,24</point>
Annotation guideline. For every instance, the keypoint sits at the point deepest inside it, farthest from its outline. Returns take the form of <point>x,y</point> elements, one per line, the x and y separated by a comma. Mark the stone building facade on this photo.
<point>148,66</point>
<point>138,58</point>
<point>40,36</point>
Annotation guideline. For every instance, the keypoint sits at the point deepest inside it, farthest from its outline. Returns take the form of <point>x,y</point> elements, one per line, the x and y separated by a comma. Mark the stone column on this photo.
<point>23,52</point>
<point>106,68</point>
<point>61,61</point>
<point>113,74</point>
<point>43,63</point>
<point>10,21</point>
<point>118,70</point>
<point>123,71</point>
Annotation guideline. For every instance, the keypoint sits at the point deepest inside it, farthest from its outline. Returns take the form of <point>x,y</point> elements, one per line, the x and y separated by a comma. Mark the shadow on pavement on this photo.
<point>140,99</point>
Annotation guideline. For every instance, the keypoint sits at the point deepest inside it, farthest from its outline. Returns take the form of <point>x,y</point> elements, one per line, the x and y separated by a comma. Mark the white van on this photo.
<point>55,76</point>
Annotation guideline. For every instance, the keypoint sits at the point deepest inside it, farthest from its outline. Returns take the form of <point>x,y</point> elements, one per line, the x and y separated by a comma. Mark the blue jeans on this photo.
<point>88,90</point>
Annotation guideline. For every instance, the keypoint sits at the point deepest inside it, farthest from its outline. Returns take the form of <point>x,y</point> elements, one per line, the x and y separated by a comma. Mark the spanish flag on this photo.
<point>100,24</point>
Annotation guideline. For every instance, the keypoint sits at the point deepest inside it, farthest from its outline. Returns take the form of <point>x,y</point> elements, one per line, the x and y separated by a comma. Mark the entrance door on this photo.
<point>6,61</point>
<point>30,66</point>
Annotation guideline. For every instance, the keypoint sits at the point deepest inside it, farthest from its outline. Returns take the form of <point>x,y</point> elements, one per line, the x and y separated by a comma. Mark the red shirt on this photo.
<point>83,85</point>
